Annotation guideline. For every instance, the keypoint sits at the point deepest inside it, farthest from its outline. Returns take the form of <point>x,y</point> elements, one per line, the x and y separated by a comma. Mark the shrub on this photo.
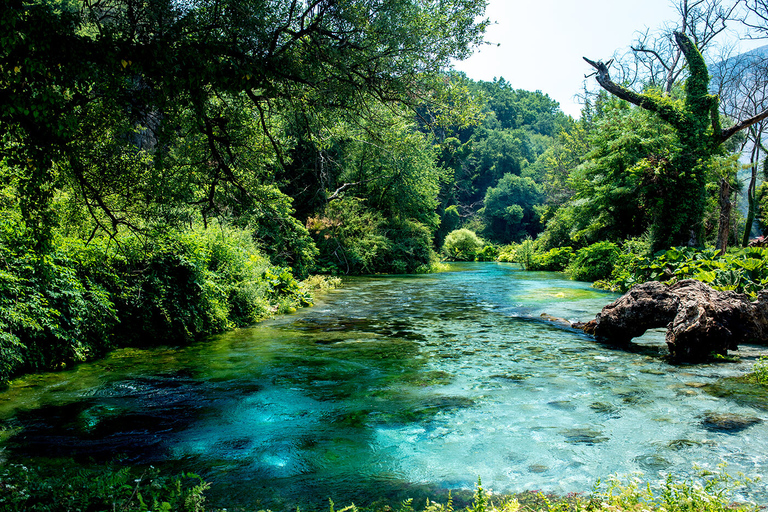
<point>350,237</point>
<point>524,255</point>
<point>743,270</point>
<point>78,301</point>
<point>54,310</point>
<point>507,254</point>
<point>593,262</point>
<point>462,245</point>
<point>488,253</point>
<point>556,259</point>
<point>410,247</point>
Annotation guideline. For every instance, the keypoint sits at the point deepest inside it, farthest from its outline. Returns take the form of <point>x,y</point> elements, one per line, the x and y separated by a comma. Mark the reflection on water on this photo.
<point>397,384</point>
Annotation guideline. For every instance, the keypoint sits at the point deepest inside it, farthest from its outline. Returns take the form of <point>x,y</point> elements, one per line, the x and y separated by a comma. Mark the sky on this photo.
<point>539,44</point>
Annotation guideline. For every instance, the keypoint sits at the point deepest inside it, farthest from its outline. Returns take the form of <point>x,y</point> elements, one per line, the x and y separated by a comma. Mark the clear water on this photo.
<point>395,386</point>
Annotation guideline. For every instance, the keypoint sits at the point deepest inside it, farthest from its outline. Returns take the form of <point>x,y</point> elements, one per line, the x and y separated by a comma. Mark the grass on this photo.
<point>67,486</point>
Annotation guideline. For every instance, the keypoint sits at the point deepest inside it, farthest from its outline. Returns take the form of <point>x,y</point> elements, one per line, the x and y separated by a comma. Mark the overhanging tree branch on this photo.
<point>726,134</point>
<point>654,104</point>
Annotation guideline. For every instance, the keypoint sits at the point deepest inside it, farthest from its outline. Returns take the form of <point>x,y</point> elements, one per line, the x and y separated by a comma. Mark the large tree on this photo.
<point>129,103</point>
<point>696,121</point>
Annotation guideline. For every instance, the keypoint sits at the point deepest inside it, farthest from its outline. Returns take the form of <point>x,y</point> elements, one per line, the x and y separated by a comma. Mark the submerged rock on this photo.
<point>728,422</point>
<point>700,321</point>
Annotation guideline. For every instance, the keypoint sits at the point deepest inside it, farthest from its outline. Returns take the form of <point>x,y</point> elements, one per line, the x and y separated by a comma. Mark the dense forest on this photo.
<point>175,169</point>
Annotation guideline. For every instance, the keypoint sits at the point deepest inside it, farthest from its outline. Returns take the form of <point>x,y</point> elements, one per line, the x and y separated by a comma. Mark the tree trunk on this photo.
<point>724,222</point>
<point>751,200</point>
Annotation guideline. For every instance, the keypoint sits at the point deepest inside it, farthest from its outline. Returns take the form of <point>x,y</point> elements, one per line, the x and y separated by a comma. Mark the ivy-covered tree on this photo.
<point>695,119</point>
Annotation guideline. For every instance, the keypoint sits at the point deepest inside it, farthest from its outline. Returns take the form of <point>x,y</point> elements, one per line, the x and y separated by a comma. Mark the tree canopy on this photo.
<point>130,104</point>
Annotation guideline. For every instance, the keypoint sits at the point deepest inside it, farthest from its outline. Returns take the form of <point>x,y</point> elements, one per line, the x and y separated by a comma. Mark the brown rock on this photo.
<point>700,321</point>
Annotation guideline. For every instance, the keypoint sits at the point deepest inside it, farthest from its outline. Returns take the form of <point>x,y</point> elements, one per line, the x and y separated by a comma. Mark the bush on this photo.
<point>593,262</point>
<point>743,270</point>
<point>78,301</point>
<point>553,260</point>
<point>462,245</point>
<point>354,239</point>
<point>507,254</point>
<point>488,253</point>
<point>183,286</point>
<point>524,254</point>
<point>55,310</point>
<point>410,248</point>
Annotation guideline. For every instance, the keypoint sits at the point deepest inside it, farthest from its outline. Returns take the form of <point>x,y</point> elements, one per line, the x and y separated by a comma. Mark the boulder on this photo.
<point>700,321</point>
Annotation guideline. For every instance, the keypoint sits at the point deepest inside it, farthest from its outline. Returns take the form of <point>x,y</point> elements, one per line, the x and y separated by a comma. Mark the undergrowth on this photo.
<point>742,270</point>
<point>66,486</point>
<point>80,300</point>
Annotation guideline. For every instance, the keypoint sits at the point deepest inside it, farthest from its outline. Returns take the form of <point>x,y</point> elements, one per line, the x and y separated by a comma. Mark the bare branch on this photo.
<point>726,134</point>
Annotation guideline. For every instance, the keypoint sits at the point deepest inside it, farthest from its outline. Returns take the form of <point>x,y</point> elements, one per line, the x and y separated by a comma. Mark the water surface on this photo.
<point>396,385</point>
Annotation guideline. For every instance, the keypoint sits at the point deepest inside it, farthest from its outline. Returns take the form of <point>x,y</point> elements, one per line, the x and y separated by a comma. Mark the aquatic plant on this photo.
<point>63,485</point>
<point>760,370</point>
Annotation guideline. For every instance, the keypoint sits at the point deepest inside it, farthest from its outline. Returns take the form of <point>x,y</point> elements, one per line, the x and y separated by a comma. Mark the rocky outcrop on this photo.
<point>700,321</point>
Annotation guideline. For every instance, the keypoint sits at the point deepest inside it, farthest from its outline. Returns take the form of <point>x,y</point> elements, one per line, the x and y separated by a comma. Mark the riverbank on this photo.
<point>65,485</point>
<point>79,301</point>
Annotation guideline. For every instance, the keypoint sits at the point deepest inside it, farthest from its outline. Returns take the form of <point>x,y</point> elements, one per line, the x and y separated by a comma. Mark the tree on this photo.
<point>509,208</point>
<point>657,59</point>
<point>696,121</point>
<point>741,82</point>
<point>756,17</point>
<point>207,88</point>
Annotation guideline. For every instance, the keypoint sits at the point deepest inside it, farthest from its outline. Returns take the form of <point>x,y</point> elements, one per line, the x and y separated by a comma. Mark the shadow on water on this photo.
<point>394,388</point>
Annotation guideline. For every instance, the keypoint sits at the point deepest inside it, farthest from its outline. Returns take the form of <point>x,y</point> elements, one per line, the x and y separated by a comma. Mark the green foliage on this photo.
<point>518,128</point>
<point>509,208</point>
<point>760,370</point>
<point>63,486</point>
<point>742,270</point>
<point>526,253</point>
<point>556,259</point>
<point>320,283</point>
<point>186,285</point>
<point>126,115</point>
<point>593,262</point>
<point>508,253</point>
<point>489,252</point>
<point>349,236</point>
<point>78,301</point>
<point>353,238</point>
<point>54,310</point>
<point>285,291</point>
<point>462,245</point>
<point>617,184</point>
<point>449,221</point>
<point>761,198</point>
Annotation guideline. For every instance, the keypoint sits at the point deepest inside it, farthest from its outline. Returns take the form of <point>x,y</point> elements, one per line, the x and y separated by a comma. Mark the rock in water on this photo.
<point>700,321</point>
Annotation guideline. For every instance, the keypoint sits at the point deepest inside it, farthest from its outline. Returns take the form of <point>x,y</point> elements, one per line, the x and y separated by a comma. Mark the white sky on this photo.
<point>541,42</point>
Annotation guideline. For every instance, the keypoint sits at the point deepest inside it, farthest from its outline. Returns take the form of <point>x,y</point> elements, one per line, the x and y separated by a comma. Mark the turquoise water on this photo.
<point>395,386</point>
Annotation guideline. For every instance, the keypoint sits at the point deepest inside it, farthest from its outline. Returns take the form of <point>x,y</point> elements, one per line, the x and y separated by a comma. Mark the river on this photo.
<point>398,386</point>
